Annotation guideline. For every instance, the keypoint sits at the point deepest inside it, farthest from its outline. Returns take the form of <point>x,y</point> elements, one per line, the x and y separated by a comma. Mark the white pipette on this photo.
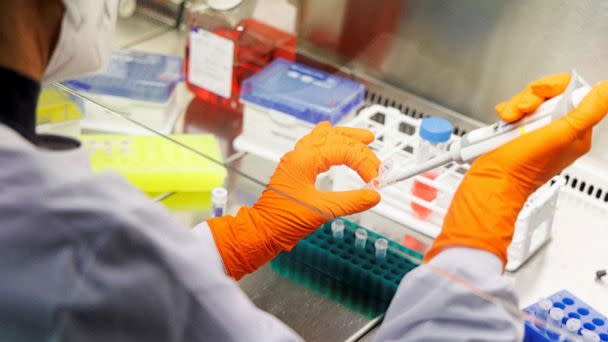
<point>488,138</point>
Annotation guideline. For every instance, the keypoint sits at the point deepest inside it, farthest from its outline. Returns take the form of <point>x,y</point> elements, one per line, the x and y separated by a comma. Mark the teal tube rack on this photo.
<point>351,276</point>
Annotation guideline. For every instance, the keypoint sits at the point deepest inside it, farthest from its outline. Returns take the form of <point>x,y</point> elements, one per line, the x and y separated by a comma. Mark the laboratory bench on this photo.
<point>569,261</point>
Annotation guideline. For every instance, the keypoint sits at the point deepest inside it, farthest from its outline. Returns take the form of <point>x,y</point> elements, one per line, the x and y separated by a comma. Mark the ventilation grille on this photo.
<point>586,188</point>
<point>377,98</point>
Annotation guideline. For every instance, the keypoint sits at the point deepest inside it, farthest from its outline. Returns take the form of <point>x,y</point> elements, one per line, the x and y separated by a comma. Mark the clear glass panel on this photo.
<point>180,150</point>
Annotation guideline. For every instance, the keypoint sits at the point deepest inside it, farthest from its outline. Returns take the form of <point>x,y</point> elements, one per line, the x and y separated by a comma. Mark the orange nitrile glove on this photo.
<point>292,207</point>
<point>486,205</point>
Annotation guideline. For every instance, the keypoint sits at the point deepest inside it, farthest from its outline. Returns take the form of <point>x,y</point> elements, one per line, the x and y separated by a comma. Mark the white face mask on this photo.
<point>84,42</point>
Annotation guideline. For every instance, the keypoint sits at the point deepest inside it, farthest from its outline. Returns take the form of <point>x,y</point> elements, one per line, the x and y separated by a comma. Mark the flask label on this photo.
<point>211,61</point>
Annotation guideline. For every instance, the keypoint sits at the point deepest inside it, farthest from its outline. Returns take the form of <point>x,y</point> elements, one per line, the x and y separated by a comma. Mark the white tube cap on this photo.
<point>589,335</point>
<point>545,304</point>
<point>219,195</point>
<point>223,5</point>
<point>556,314</point>
<point>573,324</point>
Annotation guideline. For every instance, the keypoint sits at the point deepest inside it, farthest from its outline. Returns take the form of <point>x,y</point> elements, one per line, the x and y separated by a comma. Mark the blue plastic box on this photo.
<point>306,93</point>
<point>135,75</point>
<point>573,308</point>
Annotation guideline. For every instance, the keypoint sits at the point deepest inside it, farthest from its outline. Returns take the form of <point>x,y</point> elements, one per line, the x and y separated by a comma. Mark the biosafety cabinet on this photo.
<point>404,60</point>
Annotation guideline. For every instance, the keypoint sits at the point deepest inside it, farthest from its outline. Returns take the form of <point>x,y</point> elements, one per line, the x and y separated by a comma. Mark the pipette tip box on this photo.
<point>303,92</point>
<point>352,276</point>
<point>135,75</point>
<point>573,307</point>
<point>285,100</point>
<point>156,164</point>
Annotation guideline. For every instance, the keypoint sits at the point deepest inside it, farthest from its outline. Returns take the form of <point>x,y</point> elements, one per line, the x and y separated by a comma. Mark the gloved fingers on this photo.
<point>363,135</point>
<point>528,102</point>
<point>342,150</point>
<point>500,107</point>
<point>591,110</point>
<point>532,97</point>
<point>349,202</point>
<point>507,112</point>
<point>510,111</point>
<point>551,86</point>
<point>583,143</point>
<point>321,126</point>
<point>519,106</point>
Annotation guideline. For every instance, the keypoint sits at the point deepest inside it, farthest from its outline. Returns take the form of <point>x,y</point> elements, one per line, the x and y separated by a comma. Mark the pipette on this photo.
<point>486,139</point>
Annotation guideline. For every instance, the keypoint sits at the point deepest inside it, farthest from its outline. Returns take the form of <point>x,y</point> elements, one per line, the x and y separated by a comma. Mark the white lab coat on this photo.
<point>87,257</point>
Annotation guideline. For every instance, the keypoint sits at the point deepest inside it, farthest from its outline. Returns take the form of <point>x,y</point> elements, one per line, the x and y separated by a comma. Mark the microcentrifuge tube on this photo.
<point>573,324</point>
<point>590,336</point>
<point>555,317</point>
<point>360,238</point>
<point>337,229</point>
<point>542,312</point>
<point>381,246</point>
<point>219,198</point>
<point>385,170</point>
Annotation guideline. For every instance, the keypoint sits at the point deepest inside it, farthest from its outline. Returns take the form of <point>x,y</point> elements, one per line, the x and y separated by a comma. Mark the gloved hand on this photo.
<point>486,205</point>
<point>292,208</point>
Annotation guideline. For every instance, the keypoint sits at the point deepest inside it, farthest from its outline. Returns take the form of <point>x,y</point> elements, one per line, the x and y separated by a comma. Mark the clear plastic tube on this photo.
<point>219,198</point>
<point>542,312</point>
<point>590,336</point>
<point>573,325</point>
<point>555,317</point>
<point>386,169</point>
<point>360,238</point>
<point>555,323</point>
<point>381,246</point>
<point>337,229</point>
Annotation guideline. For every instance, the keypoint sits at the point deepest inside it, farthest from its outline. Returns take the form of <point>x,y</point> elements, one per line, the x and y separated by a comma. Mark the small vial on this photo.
<point>542,312</point>
<point>573,325</point>
<point>337,229</point>
<point>434,133</point>
<point>381,246</point>
<point>590,336</point>
<point>360,238</point>
<point>555,323</point>
<point>555,317</point>
<point>219,198</point>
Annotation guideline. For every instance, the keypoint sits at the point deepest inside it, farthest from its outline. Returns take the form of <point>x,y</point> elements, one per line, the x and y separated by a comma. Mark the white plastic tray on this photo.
<point>397,139</point>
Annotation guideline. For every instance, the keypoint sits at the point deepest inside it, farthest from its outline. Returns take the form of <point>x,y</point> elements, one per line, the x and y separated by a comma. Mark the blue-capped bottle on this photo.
<point>434,134</point>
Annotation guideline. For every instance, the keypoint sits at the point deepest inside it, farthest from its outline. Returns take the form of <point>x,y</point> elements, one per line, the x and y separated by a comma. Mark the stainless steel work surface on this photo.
<point>313,316</point>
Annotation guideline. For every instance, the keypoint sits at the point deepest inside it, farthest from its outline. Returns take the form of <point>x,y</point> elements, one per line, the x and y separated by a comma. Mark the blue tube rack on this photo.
<point>573,308</point>
<point>351,276</point>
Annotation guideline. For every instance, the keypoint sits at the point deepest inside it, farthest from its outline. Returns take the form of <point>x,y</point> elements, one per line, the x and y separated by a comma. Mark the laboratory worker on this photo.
<point>87,257</point>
